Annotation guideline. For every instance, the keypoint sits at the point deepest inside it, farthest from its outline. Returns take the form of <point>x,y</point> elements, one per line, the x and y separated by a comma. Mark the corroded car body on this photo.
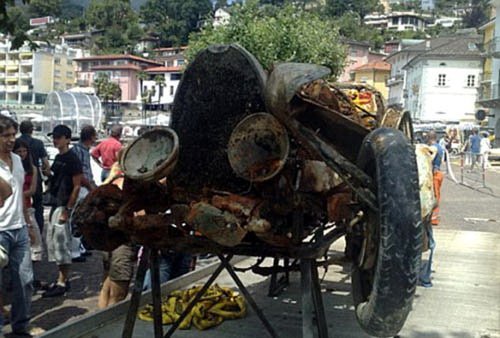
<point>276,165</point>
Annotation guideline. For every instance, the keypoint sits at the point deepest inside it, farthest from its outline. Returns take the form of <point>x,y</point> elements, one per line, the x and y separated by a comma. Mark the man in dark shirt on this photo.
<point>64,188</point>
<point>40,160</point>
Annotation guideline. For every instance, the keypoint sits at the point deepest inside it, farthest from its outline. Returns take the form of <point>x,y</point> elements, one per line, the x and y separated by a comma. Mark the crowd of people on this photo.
<point>24,233</point>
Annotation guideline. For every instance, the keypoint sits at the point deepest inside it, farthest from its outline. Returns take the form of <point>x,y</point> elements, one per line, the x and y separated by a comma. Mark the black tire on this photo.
<point>383,288</point>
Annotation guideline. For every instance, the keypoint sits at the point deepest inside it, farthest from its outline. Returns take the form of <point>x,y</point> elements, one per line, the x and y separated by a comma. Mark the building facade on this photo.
<point>402,52</point>
<point>489,92</point>
<point>27,76</point>
<point>441,83</point>
<point>397,21</point>
<point>120,68</point>
<point>358,54</point>
<point>374,74</point>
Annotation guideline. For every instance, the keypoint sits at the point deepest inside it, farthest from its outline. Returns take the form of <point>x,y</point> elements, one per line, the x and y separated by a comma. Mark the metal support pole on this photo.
<point>198,296</point>
<point>156,294</point>
<point>318,303</point>
<point>128,328</point>
<point>462,167</point>
<point>307,305</point>
<point>247,296</point>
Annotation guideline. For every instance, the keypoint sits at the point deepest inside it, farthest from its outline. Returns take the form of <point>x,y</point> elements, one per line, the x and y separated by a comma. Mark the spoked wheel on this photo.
<point>398,120</point>
<point>385,272</point>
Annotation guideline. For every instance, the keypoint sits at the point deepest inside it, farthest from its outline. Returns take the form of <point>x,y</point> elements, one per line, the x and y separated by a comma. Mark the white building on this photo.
<point>397,21</point>
<point>441,83</point>
<point>27,76</point>
<point>221,17</point>
<point>407,49</point>
<point>163,94</point>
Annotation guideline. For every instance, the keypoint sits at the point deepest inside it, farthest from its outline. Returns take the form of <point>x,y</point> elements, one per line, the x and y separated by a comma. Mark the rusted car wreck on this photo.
<point>277,165</point>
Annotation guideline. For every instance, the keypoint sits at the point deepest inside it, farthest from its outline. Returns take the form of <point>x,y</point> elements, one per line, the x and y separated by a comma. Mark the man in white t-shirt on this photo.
<point>14,231</point>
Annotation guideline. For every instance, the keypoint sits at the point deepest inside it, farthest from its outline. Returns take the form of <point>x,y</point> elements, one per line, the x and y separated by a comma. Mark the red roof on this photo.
<point>116,67</point>
<point>164,69</point>
<point>375,65</point>
<point>117,57</point>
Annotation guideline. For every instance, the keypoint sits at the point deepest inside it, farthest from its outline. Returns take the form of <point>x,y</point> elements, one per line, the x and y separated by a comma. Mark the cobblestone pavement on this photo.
<point>472,208</point>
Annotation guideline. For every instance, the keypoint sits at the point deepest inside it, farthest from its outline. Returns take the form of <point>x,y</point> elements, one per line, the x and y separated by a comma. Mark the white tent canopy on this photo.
<point>155,120</point>
<point>72,109</point>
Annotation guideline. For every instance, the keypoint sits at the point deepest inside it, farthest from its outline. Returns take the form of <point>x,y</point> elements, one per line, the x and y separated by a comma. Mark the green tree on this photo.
<point>119,22</point>
<point>220,4</point>
<point>291,35</point>
<point>478,15</point>
<point>173,20</point>
<point>9,24</point>
<point>338,8</point>
<point>38,8</point>
<point>107,91</point>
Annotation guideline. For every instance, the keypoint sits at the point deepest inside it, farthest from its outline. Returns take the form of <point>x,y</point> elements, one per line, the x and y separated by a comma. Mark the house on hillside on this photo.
<point>402,52</point>
<point>120,68</point>
<point>27,76</point>
<point>163,93</point>
<point>358,54</point>
<point>398,21</point>
<point>374,74</point>
<point>441,81</point>
<point>221,17</point>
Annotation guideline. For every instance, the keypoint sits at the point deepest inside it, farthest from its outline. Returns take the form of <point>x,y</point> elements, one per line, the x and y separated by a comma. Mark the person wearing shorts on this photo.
<point>118,272</point>
<point>64,187</point>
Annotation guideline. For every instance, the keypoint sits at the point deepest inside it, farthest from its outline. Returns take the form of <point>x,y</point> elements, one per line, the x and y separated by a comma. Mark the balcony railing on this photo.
<point>486,77</point>
<point>26,75</point>
<point>11,89</point>
<point>491,48</point>
<point>489,93</point>
<point>398,78</point>
<point>24,89</point>
<point>27,62</point>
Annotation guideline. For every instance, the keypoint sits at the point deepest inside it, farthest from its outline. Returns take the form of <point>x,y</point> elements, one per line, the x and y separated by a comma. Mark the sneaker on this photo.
<point>30,332</point>
<point>56,290</point>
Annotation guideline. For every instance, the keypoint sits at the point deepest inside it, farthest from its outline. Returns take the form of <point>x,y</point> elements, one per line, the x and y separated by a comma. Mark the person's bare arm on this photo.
<point>77,181</point>
<point>31,191</point>
<point>5,191</point>
<point>45,166</point>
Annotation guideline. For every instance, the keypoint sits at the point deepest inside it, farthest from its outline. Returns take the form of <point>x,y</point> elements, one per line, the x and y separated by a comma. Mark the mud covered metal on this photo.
<point>286,80</point>
<point>258,147</point>
<point>222,86</point>
<point>152,156</point>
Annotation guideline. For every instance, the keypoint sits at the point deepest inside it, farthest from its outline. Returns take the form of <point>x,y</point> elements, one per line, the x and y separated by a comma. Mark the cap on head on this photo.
<point>60,130</point>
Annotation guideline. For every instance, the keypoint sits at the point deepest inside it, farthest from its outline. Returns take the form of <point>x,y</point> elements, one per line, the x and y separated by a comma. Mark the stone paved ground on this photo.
<point>458,202</point>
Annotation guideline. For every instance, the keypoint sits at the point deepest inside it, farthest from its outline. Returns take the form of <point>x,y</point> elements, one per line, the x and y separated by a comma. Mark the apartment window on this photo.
<point>442,80</point>
<point>180,62</point>
<point>353,52</point>
<point>395,21</point>
<point>69,74</point>
<point>471,80</point>
<point>175,76</point>
<point>57,61</point>
<point>69,62</point>
<point>170,63</point>
<point>171,90</point>
<point>57,73</point>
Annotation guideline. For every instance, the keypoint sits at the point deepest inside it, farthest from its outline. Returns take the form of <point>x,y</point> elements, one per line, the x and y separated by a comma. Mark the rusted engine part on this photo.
<point>355,92</point>
<point>258,147</point>
<point>398,119</point>
<point>92,214</point>
<point>152,156</point>
<point>219,88</point>
<point>313,126</point>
